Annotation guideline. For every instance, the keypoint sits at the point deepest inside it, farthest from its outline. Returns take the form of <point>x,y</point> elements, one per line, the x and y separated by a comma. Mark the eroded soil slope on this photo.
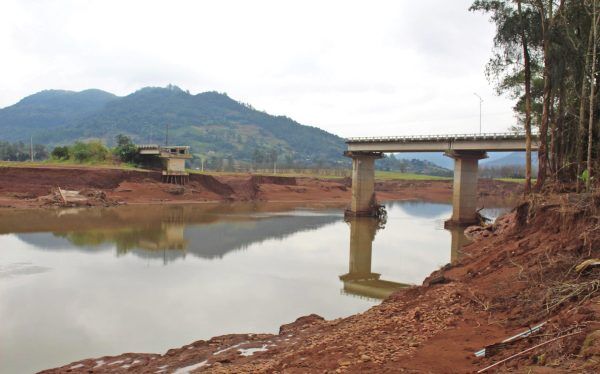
<point>38,187</point>
<point>519,272</point>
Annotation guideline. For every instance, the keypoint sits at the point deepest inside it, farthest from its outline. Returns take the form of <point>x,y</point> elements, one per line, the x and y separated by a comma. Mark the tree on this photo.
<point>545,56</point>
<point>516,35</point>
<point>126,150</point>
<point>527,71</point>
<point>60,153</point>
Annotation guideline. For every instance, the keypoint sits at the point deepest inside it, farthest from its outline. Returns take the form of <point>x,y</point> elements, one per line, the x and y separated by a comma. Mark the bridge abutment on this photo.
<point>464,193</point>
<point>363,183</point>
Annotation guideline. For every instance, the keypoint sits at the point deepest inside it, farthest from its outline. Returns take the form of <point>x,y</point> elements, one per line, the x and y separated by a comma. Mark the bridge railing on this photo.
<point>148,146</point>
<point>444,137</point>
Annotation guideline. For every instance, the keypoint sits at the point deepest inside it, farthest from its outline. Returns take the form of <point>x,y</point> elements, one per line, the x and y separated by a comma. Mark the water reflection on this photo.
<point>457,241</point>
<point>360,280</point>
<point>163,232</point>
<point>72,279</point>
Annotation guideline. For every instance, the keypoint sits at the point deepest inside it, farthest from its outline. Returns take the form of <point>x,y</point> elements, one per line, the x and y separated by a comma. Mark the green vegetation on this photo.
<point>389,175</point>
<point>332,174</point>
<point>125,150</point>
<point>545,56</point>
<point>215,126</point>
<point>20,151</point>
<point>413,166</point>
<point>95,152</point>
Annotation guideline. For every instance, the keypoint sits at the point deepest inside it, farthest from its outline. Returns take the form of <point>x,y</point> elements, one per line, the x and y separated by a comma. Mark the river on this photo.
<point>78,283</point>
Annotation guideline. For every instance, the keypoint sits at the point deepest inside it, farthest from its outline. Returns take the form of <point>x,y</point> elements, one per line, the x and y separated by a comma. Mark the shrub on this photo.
<point>93,151</point>
<point>60,153</point>
<point>126,150</point>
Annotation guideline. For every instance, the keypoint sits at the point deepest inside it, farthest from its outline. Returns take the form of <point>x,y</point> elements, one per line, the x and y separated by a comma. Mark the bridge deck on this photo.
<point>497,142</point>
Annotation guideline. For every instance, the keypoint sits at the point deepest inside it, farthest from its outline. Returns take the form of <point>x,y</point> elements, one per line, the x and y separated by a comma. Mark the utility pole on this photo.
<point>480,101</point>
<point>31,148</point>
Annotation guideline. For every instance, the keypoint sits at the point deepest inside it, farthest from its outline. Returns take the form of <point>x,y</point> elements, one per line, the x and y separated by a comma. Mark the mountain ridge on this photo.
<point>211,122</point>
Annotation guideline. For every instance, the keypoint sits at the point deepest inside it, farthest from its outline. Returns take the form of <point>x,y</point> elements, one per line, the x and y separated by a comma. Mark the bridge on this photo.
<point>465,149</point>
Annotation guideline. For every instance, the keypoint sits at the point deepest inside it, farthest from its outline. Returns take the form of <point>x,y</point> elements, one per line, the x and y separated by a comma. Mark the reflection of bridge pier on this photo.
<point>360,280</point>
<point>466,150</point>
<point>457,241</point>
<point>170,236</point>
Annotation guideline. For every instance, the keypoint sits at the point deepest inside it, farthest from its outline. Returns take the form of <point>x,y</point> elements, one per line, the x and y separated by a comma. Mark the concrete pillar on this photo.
<point>363,182</point>
<point>464,193</point>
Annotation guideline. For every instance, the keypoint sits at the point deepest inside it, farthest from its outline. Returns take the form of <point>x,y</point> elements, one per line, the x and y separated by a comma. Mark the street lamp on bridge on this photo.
<point>480,101</point>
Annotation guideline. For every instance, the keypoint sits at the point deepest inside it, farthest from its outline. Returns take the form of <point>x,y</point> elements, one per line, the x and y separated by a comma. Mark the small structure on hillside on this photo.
<point>173,161</point>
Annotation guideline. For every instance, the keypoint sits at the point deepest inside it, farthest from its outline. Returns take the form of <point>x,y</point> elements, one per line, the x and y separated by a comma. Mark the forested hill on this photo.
<point>212,123</point>
<point>47,110</point>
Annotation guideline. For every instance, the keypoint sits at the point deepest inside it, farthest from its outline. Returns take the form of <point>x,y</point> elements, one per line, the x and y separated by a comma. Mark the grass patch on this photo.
<point>390,175</point>
<point>515,180</point>
<point>380,175</point>
<point>68,164</point>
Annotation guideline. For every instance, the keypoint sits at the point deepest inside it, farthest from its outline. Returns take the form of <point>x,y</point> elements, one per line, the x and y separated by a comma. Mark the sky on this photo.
<point>353,68</point>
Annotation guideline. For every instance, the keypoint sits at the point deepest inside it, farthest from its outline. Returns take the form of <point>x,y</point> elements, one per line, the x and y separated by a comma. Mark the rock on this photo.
<point>300,323</point>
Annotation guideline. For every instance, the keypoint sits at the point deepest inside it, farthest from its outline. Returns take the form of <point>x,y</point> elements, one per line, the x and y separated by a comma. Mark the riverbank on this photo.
<point>518,273</point>
<point>32,187</point>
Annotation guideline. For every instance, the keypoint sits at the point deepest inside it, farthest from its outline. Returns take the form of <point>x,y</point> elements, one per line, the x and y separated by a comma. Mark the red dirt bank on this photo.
<point>518,273</point>
<point>35,187</point>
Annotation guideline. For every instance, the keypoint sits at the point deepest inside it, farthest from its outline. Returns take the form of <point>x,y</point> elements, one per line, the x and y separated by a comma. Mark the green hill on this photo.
<point>214,125</point>
<point>211,123</point>
<point>47,110</point>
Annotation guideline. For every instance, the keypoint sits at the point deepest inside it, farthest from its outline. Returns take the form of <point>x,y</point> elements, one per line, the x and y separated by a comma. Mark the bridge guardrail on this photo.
<point>444,137</point>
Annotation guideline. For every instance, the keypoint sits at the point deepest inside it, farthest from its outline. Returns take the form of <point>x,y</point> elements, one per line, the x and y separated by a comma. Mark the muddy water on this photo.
<point>87,283</point>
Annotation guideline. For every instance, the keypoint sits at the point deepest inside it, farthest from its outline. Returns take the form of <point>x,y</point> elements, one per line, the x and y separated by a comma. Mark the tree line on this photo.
<point>545,56</point>
<point>20,151</point>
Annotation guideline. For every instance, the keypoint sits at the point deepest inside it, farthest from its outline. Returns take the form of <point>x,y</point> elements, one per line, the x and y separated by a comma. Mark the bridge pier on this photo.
<point>464,193</point>
<point>363,182</point>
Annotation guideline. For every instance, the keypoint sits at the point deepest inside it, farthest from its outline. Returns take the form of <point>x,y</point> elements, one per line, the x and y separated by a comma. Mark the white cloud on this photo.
<point>350,67</point>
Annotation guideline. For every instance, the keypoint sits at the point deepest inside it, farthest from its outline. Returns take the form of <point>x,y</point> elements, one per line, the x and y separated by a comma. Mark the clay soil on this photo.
<point>24,187</point>
<point>519,272</point>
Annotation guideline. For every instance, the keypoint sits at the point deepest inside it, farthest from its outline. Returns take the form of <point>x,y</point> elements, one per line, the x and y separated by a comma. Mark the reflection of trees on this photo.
<point>165,231</point>
<point>162,236</point>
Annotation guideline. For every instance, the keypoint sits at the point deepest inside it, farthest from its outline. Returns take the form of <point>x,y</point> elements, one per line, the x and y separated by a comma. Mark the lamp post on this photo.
<point>480,101</point>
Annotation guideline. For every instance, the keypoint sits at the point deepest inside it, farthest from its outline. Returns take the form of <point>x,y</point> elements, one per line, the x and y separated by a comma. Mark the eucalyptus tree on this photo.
<point>516,49</point>
<point>545,56</point>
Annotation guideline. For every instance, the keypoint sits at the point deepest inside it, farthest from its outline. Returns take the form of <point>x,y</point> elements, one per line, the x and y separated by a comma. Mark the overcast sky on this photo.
<point>354,68</point>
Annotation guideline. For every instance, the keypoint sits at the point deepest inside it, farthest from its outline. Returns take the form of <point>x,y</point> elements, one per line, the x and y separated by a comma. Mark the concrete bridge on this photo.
<point>465,149</point>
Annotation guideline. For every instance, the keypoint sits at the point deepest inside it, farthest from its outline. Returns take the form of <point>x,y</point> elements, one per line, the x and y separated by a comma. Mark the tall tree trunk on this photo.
<point>561,137</point>
<point>553,140</point>
<point>527,63</point>
<point>543,148</point>
<point>581,128</point>
<point>591,101</point>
